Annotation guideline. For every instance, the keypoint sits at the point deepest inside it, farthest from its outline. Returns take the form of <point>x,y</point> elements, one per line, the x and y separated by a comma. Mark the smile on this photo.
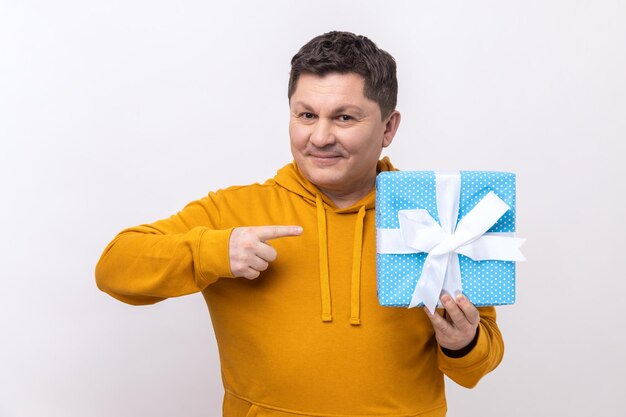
<point>324,159</point>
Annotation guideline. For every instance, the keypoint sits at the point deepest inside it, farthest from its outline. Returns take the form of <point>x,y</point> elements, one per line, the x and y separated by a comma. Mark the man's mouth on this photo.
<point>324,155</point>
<point>324,158</point>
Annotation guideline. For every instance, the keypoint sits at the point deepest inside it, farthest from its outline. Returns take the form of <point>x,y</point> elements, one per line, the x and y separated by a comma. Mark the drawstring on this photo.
<point>357,248</point>
<point>355,296</point>
<point>323,245</point>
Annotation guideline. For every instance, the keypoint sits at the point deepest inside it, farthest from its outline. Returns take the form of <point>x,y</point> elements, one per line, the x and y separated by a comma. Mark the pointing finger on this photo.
<point>273,232</point>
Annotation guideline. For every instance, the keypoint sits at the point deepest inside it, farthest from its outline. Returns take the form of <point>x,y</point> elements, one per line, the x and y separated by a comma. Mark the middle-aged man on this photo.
<point>298,325</point>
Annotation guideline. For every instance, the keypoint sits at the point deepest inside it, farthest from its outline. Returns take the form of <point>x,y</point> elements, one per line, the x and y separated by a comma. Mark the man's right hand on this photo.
<point>248,251</point>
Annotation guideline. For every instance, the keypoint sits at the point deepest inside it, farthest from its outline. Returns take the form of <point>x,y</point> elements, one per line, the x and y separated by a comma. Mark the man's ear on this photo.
<point>391,127</point>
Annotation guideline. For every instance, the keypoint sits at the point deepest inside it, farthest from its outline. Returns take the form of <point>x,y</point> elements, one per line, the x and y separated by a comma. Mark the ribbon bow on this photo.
<point>420,232</point>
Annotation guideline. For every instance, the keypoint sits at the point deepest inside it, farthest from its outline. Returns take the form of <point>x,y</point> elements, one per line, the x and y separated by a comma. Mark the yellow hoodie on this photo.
<point>308,337</point>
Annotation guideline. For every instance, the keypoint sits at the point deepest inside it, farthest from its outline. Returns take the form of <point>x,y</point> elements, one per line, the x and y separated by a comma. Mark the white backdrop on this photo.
<point>115,113</point>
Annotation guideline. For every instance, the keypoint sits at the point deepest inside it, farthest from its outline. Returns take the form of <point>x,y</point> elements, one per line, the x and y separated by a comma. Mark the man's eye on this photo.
<point>345,118</point>
<point>307,115</point>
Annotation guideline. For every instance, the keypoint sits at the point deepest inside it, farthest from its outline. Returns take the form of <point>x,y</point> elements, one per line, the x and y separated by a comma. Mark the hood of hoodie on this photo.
<point>291,178</point>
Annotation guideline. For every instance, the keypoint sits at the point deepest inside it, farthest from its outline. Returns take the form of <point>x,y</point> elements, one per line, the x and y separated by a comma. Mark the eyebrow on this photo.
<point>349,109</point>
<point>339,110</point>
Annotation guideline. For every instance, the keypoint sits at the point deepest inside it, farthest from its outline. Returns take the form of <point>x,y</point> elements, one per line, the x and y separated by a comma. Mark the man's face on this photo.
<point>337,133</point>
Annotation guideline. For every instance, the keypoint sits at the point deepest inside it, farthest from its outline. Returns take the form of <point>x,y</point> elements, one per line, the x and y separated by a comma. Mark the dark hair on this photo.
<point>345,52</point>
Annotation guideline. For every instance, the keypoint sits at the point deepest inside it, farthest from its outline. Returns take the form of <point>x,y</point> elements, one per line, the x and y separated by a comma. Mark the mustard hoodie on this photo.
<point>308,337</point>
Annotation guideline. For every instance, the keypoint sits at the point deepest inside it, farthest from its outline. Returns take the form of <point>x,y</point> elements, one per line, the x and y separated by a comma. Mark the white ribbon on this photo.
<point>420,232</point>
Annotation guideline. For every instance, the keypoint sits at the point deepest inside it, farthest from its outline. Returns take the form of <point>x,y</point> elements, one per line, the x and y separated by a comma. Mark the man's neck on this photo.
<point>344,200</point>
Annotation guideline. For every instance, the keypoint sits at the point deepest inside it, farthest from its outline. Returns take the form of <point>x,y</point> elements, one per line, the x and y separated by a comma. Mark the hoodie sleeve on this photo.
<point>169,258</point>
<point>482,359</point>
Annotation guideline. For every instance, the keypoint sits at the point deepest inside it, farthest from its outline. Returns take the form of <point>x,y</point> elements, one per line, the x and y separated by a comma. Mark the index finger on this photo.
<point>273,232</point>
<point>453,311</point>
<point>471,312</point>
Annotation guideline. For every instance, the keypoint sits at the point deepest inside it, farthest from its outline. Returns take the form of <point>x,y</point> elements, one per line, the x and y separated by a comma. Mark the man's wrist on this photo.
<point>459,353</point>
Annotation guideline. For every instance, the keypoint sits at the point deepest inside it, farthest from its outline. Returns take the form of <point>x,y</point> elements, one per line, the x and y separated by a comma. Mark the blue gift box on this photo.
<point>485,282</point>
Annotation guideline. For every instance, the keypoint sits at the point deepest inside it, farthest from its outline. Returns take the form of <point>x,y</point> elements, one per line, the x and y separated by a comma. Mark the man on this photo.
<point>298,325</point>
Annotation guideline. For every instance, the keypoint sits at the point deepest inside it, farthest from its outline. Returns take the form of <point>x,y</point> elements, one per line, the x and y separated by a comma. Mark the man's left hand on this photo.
<point>458,328</point>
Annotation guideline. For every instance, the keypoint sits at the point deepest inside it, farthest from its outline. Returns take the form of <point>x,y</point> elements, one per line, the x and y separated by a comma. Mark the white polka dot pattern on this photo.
<point>485,283</point>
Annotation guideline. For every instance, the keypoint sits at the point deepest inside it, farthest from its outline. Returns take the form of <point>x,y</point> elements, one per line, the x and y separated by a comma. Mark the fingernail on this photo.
<point>446,299</point>
<point>460,298</point>
<point>298,229</point>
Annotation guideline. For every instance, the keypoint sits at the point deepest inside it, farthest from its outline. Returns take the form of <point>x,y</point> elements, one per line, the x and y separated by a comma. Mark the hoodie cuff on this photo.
<point>212,256</point>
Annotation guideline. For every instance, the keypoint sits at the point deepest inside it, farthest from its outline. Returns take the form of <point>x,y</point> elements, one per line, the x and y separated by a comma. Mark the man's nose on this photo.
<point>322,135</point>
